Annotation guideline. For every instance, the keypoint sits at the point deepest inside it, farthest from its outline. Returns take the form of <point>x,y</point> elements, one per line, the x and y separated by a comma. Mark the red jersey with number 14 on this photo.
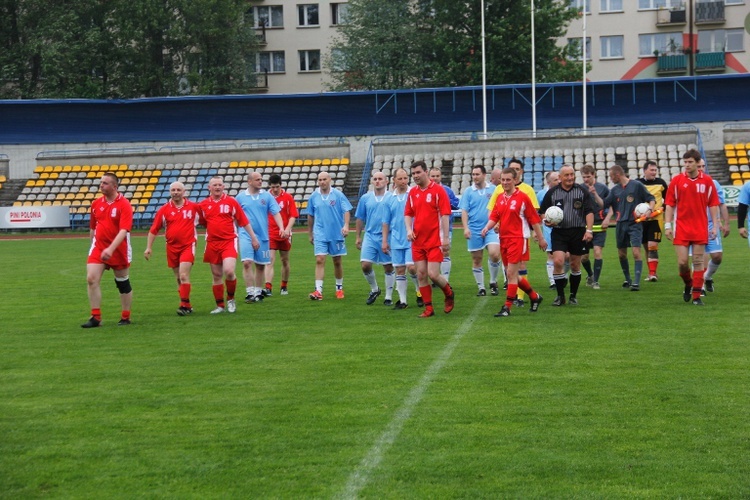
<point>219,217</point>
<point>690,198</point>
<point>426,206</point>
<point>179,223</point>
<point>288,210</point>
<point>515,213</point>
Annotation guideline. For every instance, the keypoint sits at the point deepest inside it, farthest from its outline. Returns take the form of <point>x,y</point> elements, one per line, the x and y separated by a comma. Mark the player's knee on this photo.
<point>123,285</point>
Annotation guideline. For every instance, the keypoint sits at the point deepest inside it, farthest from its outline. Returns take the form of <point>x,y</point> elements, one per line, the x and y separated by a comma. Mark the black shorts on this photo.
<point>652,230</point>
<point>569,240</point>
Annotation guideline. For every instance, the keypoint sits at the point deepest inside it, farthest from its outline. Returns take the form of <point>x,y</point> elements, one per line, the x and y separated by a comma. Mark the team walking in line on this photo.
<point>407,231</point>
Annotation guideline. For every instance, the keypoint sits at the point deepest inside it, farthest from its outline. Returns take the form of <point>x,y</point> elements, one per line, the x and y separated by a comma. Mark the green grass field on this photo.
<point>627,395</point>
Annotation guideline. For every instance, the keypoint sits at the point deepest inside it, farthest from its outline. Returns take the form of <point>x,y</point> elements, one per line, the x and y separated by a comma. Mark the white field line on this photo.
<point>361,475</point>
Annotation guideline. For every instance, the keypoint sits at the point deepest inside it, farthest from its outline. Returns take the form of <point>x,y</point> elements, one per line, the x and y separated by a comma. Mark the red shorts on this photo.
<point>177,255</point>
<point>283,245</point>
<point>217,251</point>
<point>119,260</point>
<point>434,254</point>
<point>514,250</point>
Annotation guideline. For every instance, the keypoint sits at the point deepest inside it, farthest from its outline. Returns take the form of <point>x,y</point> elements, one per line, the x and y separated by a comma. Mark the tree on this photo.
<point>438,42</point>
<point>124,48</point>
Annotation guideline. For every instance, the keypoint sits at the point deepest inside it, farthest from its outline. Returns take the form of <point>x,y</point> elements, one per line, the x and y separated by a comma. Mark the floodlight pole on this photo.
<point>585,102</point>
<point>484,78</point>
<point>533,73</point>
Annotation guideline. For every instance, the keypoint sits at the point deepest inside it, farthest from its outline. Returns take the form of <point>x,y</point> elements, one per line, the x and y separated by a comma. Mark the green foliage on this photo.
<point>124,48</point>
<point>627,395</point>
<point>389,45</point>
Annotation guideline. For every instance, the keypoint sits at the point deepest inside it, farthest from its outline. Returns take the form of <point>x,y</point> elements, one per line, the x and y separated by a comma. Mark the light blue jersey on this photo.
<point>373,211</point>
<point>474,201</point>
<point>394,217</point>
<point>722,200</point>
<point>328,211</point>
<point>258,207</point>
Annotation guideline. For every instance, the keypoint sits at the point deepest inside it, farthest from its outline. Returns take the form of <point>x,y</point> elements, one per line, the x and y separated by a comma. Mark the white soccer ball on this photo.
<point>642,209</point>
<point>554,215</point>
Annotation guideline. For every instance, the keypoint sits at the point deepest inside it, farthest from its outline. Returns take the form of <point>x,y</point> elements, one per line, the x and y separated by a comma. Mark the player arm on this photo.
<point>490,224</point>
<point>347,220</point>
<point>107,252</point>
<point>445,228</point>
<point>668,215</point>
<point>358,226</point>
<point>409,223</point>
<point>714,211</point>
<point>310,225</point>
<point>724,215</point>
<point>386,234</point>
<point>149,243</point>
<point>465,223</point>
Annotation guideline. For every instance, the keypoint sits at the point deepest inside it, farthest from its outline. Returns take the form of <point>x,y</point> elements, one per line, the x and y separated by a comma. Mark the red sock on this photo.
<point>97,314</point>
<point>219,295</point>
<point>447,290</point>
<point>426,292</point>
<point>231,288</point>
<point>511,295</point>
<point>185,295</point>
<point>697,284</point>
<point>125,314</point>
<point>283,284</point>
<point>524,285</point>
<point>652,266</point>
<point>686,278</point>
<point>269,285</point>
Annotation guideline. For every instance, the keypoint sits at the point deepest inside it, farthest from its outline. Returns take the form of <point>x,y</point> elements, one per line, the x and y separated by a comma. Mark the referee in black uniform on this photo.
<point>573,234</point>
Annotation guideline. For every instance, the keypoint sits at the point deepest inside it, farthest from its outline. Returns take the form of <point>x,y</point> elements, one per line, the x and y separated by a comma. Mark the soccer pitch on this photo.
<point>627,395</point>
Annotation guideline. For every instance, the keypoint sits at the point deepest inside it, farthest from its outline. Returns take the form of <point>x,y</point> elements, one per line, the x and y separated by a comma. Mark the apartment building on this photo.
<point>637,39</point>
<point>625,39</point>
<point>294,38</point>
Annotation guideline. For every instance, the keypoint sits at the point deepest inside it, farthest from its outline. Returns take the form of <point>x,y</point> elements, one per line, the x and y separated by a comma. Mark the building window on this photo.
<point>578,5</point>
<point>664,43</point>
<point>309,60</point>
<point>721,40</point>
<point>271,62</point>
<point>272,16</point>
<point>308,14</point>
<point>611,47</point>
<point>610,6</point>
<point>338,60</point>
<point>576,51</point>
<point>734,2</point>
<point>339,13</point>
<point>655,4</point>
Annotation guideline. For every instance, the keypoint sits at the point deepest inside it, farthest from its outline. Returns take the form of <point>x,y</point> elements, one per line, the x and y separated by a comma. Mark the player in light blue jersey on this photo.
<point>743,202</point>
<point>714,249</point>
<point>395,241</point>
<point>370,214</point>
<point>328,214</point>
<point>257,204</point>
<point>474,217</point>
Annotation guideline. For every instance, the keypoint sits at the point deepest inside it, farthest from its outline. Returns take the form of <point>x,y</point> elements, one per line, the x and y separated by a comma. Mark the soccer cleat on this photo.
<point>420,301</point>
<point>494,291</point>
<point>709,284</point>
<point>218,310</point>
<point>249,298</point>
<point>703,292</point>
<point>340,293</point>
<point>482,292</point>
<point>268,291</point>
<point>123,322</point>
<point>231,306</point>
<point>559,301</point>
<point>534,307</point>
<point>552,286</point>
<point>184,311</point>
<point>635,287</point>
<point>400,305</point>
<point>427,313</point>
<point>652,278</point>
<point>687,294</point>
<point>284,291</point>
<point>505,285</point>
<point>370,298</point>
<point>91,323</point>
<point>316,295</point>
<point>449,303</point>
<point>388,302</point>
<point>519,303</point>
<point>504,311</point>
<point>590,281</point>
<point>697,302</point>
<point>596,286</point>
<point>626,284</point>
<point>572,300</point>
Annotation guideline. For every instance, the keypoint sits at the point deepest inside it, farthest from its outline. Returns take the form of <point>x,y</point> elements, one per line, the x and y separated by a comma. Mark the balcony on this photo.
<point>709,12</point>
<point>669,17</point>
<point>672,63</point>
<point>707,62</point>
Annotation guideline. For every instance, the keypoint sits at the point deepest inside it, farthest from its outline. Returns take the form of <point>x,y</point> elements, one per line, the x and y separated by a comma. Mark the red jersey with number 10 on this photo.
<point>690,198</point>
<point>426,206</point>
<point>179,223</point>
<point>219,217</point>
<point>515,213</point>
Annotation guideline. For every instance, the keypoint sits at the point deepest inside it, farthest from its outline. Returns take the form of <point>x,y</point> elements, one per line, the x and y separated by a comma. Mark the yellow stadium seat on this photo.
<point>733,161</point>
<point>150,188</point>
<point>44,176</point>
<point>92,175</point>
<point>728,147</point>
<point>326,162</point>
<point>234,164</point>
<point>739,145</point>
<point>156,173</point>
<point>243,164</point>
<point>747,145</point>
<point>54,175</point>
<point>58,168</point>
<point>741,152</point>
<point>307,163</point>
<point>17,204</point>
<point>150,180</point>
<point>49,169</point>
<point>127,174</point>
<point>272,163</point>
<point>30,183</point>
<point>316,162</point>
<point>335,161</point>
<point>39,169</point>
<point>735,175</point>
<point>67,168</point>
<point>344,161</point>
<point>252,164</point>
<point>76,168</point>
<point>289,163</point>
<point>737,182</point>
<point>298,163</point>
<point>745,176</point>
<point>731,153</point>
<point>261,164</point>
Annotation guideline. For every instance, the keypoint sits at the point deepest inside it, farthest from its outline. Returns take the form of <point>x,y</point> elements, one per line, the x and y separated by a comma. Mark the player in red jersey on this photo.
<point>218,214</point>
<point>427,217</point>
<point>289,214</point>
<point>110,224</point>
<point>686,222</point>
<point>179,216</point>
<point>513,213</point>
